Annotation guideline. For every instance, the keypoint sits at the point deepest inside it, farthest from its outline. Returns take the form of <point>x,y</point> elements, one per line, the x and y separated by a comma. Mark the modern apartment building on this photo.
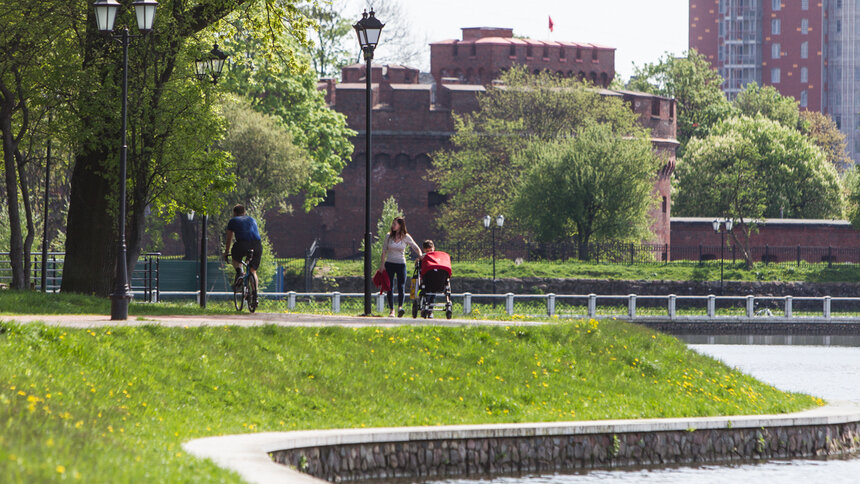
<point>807,49</point>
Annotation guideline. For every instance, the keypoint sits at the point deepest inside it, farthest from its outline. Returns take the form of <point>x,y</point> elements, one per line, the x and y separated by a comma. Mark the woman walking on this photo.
<point>394,261</point>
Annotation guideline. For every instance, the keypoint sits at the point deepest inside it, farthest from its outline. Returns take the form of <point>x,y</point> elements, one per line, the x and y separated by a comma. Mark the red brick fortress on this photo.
<point>412,119</point>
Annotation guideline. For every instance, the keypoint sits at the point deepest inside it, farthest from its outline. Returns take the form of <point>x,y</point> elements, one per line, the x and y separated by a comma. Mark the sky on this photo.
<point>641,30</point>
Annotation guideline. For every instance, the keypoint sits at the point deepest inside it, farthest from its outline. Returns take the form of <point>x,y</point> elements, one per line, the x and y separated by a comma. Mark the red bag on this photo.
<point>380,280</point>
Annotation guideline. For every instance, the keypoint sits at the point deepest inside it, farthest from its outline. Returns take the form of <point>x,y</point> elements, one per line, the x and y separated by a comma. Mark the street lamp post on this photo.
<point>45,211</point>
<point>210,66</point>
<point>728,228</point>
<point>105,12</point>
<point>488,224</point>
<point>368,30</point>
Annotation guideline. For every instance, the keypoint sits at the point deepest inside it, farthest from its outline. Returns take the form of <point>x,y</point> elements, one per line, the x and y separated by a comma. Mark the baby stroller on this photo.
<point>431,278</point>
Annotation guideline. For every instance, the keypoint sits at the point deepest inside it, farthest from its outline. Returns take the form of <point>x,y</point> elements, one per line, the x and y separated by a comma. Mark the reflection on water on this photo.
<point>830,370</point>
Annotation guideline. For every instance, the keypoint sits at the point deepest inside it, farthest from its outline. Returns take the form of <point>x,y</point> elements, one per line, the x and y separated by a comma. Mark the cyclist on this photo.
<point>244,229</point>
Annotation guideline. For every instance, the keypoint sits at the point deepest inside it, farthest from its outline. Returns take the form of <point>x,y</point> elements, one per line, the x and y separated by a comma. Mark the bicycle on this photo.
<point>247,290</point>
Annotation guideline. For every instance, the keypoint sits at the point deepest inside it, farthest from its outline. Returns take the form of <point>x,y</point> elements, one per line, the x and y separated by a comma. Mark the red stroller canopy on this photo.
<point>436,260</point>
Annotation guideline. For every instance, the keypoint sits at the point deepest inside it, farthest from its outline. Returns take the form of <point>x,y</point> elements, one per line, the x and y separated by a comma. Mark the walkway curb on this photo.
<point>248,454</point>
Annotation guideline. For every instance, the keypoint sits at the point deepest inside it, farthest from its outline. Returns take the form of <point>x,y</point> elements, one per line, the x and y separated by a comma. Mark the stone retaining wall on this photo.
<point>553,453</point>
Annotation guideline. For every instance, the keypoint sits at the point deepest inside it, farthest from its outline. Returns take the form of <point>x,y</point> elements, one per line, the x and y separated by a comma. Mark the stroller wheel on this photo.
<point>414,309</point>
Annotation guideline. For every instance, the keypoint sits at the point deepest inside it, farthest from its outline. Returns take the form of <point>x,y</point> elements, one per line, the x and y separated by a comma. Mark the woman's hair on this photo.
<point>401,232</point>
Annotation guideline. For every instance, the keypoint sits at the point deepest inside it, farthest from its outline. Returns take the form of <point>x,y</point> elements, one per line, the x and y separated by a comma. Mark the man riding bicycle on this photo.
<point>244,229</point>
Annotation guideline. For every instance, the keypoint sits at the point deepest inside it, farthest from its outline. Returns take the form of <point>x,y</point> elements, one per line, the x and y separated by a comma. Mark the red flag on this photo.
<point>550,24</point>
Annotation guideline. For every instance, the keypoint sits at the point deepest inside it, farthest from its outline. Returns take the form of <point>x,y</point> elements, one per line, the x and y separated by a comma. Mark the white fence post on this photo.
<point>672,299</point>
<point>291,300</point>
<point>750,306</point>
<point>788,306</point>
<point>550,304</point>
<point>467,303</point>
<point>712,305</point>
<point>380,303</point>
<point>631,305</point>
<point>335,302</point>
<point>592,305</point>
<point>509,303</point>
<point>827,307</point>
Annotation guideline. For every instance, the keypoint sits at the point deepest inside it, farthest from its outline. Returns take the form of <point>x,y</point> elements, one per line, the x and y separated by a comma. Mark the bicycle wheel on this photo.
<point>252,293</point>
<point>239,296</point>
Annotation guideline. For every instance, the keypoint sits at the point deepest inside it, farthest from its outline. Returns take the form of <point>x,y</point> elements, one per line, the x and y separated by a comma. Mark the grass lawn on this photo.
<point>675,271</point>
<point>115,404</point>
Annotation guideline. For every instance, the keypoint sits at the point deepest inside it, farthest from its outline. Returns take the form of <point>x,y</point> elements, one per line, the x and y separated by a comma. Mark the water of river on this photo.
<point>830,372</point>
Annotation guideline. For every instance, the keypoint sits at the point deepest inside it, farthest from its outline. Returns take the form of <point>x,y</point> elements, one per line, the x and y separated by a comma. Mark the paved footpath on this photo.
<point>245,319</point>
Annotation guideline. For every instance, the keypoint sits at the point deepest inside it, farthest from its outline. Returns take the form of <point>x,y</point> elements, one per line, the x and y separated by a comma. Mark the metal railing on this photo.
<point>145,278</point>
<point>629,307</point>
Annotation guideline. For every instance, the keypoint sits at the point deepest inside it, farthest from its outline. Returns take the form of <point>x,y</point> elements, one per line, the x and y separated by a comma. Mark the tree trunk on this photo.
<point>28,215</point>
<point>91,235</point>
<point>16,244</point>
<point>582,247</point>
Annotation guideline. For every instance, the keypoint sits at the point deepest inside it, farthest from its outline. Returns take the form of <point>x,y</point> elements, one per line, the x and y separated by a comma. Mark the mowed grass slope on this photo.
<point>115,404</point>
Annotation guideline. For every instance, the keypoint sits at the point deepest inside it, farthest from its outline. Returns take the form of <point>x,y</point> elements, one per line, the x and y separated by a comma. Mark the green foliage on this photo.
<point>695,86</point>
<point>768,102</point>
<point>481,172</point>
<point>852,197</point>
<point>83,404</point>
<point>753,168</point>
<point>594,185</point>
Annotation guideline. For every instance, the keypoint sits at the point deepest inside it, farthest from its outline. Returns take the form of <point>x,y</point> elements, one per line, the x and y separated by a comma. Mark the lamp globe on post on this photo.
<point>368,30</point>
<point>500,221</point>
<point>487,221</point>
<point>216,62</point>
<point>145,12</point>
<point>105,14</point>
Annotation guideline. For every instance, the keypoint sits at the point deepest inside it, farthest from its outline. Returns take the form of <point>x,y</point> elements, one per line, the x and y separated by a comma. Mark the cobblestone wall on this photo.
<point>462,457</point>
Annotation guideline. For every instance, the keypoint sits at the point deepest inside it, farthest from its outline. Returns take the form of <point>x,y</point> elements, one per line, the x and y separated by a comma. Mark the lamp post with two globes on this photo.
<point>728,225</point>
<point>488,224</point>
<point>105,12</point>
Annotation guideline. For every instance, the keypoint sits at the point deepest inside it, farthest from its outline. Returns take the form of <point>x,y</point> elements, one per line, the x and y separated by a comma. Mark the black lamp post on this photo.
<point>368,30</point>
<point>105,11</point>
<point>488,224</point>
<point>716,224</point>
<point>45,211</point>
<point>203,68</point>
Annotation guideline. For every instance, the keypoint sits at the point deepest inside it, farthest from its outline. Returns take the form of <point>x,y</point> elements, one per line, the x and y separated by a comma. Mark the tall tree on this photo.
<point>286,88</point>
<point>751,168</point>
<point>328,48</point>
<point>768,102</point>
<point>167,149</point>
<point>694,85</point>
<point>596,184</point>
<point>481,171</point>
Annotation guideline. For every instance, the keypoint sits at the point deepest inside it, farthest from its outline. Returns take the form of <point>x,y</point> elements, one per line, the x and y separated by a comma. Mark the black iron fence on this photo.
<point>144,278</point>
<point>616,253</point>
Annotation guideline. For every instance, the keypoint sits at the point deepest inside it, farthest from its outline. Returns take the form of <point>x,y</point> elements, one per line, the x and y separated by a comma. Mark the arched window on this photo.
<point>592,76</point>
<point>604,79</point>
